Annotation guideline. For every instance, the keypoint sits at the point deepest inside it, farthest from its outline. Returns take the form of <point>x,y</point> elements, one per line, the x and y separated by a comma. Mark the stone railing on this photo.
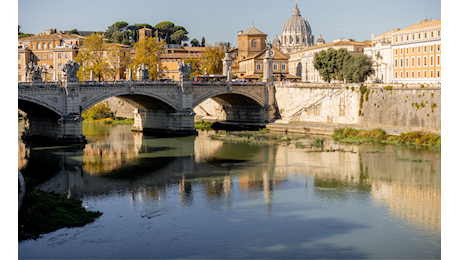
<point>355,85</point>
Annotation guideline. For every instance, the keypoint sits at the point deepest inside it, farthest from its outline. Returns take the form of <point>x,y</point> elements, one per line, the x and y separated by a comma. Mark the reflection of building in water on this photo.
<point>418,203</point>
<point>205,148</point>
<point>411,190</point>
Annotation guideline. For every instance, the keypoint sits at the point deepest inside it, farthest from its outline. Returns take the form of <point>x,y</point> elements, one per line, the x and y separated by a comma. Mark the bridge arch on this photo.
<point>32,105</point>
<point>235,105</point>
<point>214,94</point>
<point>140,100</point>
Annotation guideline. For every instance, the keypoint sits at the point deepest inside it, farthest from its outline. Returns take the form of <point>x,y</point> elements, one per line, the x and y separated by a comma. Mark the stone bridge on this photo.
<point>54,109</point>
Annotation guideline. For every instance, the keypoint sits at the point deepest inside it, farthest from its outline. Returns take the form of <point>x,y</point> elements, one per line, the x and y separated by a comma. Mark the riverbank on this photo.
<point>43,212</point>
<point>359,135</point>
<point>111,121</point>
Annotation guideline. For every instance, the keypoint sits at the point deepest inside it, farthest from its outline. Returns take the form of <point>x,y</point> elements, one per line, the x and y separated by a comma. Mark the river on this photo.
<point>193,197</point>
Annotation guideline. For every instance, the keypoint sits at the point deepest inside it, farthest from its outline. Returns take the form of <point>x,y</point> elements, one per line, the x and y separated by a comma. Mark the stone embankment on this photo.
<point>319,108</point>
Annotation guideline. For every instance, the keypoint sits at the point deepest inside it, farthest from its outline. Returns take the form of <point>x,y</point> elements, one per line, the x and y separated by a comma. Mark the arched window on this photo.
<point>39,46</point>
<point>253,44</point>
<point>50,45</point>
<point>44,45</point>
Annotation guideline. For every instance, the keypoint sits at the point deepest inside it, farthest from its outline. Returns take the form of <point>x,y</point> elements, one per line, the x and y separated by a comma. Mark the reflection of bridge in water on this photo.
<point>148,168</point>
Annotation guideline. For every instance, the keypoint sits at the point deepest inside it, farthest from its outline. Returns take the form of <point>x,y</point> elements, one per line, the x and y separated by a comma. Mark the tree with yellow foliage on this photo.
<point>212,59</point>
<point>148,52</point>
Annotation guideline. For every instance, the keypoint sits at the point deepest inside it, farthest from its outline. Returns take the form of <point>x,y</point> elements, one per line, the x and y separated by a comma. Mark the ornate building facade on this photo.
<point>411,55</point>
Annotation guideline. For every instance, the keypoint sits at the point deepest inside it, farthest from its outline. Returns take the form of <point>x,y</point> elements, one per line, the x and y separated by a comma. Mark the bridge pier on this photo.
<point>52,129</point>
<point>164,122</point>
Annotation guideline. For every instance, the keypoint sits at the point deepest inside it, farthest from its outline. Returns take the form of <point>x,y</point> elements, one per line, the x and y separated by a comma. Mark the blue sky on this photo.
<point>221,20</point>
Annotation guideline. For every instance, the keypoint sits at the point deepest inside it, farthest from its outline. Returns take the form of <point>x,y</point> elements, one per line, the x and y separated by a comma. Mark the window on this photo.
<point>431,73</point>
<point>438,74</point>
<point>413,62</point>
<point>33,46</point>
<point>413,50</point>
<point>413,74</point>
<point>44,57</point>
<point>413,36</point>
<point>425,35</point>
<point>431,61</point>
<point>407,50</point>
<point>396,75</point>
<point>402,75</point>
<point>396,51</point>
<point>44,45</point>
<point>275,66</point>
<point>407,37</point>
<point>402,38</point>
<point>19,66</point>
<point>439,33</point>
<point>50,45</point>
<point>50,56</point>
<point>407,62</point>
<point>418,49</point>
<point>424,61</point>
<point>38,56</point>
<point>38,46</point>
<point>438,60</point>
<point>418,62</point>
<point>283,66</point>
<point>407,75</point>
<point>419,35</point>
<point>253,44</point>
<point>59,55</point>
<point>66,56</point>
<point>431,34</point>
<point>396,63</point>
<point>59,65</point>
<point>259,66</point>
<point>402,63</point>
<point>418,74</point>
<point>424,73</point>
<point>431,48</point>
<point>424,49</point>
<point>439,47</point>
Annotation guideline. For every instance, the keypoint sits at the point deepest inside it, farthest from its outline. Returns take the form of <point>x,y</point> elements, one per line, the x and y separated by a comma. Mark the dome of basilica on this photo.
<point>296,23</point>
<point>296,33</point>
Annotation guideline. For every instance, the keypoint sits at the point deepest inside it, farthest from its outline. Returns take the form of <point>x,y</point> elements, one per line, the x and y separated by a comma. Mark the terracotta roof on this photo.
<point>332,44</point>
<point>252,31</point>
<point>278,55</point>
<point>51,37</point>
<point>385,34</point>
<point>420,26</point>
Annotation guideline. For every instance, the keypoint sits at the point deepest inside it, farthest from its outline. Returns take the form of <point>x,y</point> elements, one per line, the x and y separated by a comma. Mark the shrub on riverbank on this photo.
<point>101,114</point>
<point>203,125</point>
<point>43,212</point>
<point>351,135</point>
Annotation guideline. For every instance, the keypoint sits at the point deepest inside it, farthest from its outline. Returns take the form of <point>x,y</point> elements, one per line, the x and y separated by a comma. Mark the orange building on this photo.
<point>417,53</point>
<point>50,51</point>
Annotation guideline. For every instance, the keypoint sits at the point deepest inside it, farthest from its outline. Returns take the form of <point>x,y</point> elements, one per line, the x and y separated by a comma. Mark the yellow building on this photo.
<point>250,43</point>
<point>416,53</point>
<point>172,56</point>
<point>50,51</point>
<point>252,68</point>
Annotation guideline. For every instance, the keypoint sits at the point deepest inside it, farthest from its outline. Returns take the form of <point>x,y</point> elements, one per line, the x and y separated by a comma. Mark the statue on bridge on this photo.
<point>184,71</point>
<point>33,72</point>
<point>70,69</point>
<point>142,72</point>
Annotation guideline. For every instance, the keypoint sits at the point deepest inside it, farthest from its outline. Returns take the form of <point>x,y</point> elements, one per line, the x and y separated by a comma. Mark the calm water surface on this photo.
<point>193,197</point>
